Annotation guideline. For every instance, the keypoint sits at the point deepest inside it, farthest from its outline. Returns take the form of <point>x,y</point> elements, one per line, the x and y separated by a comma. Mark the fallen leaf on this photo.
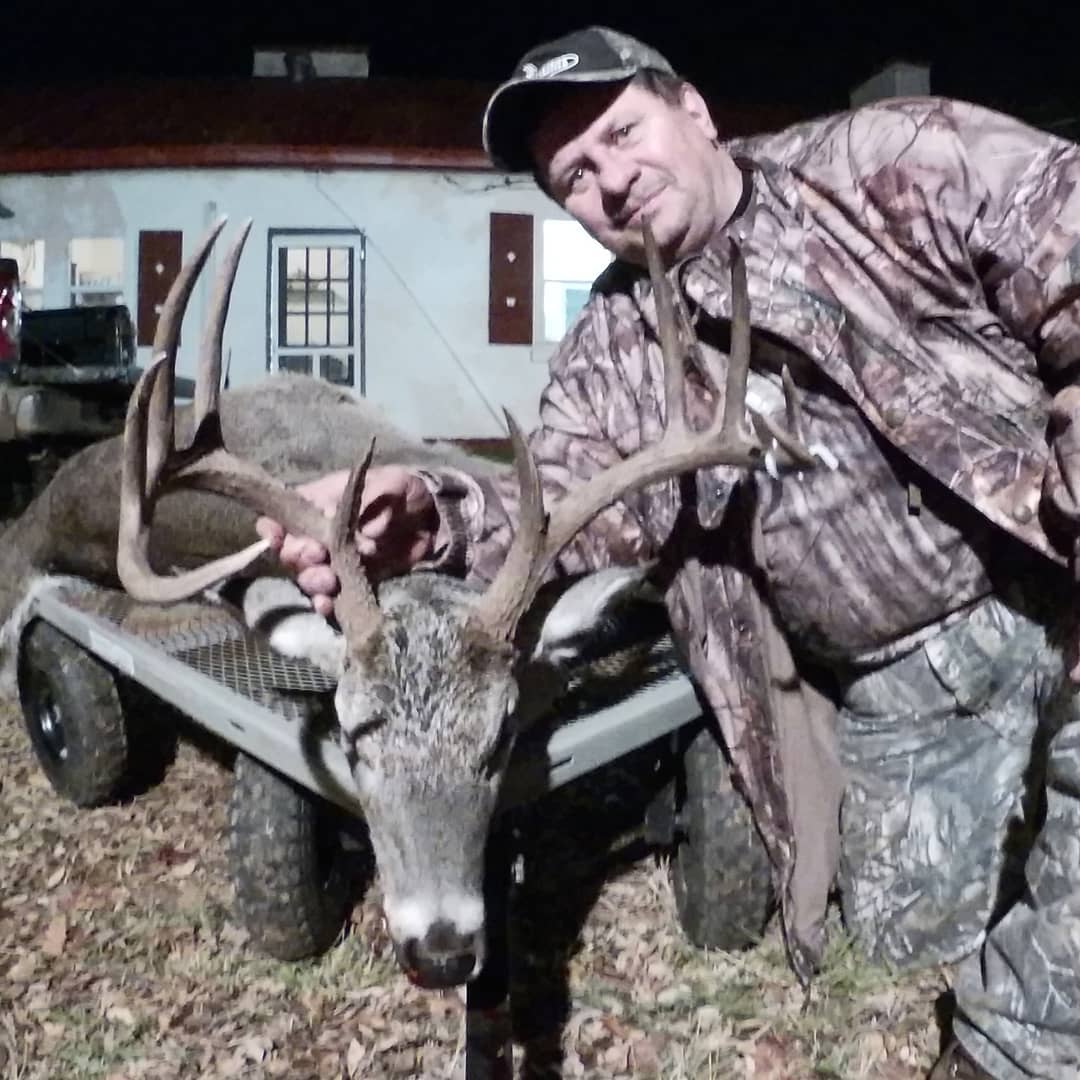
<point>645,1058</point>
<point>55,937</point>
<point>23,970</point>
<point>354,1057</point>
<point>234,935</point>
<point>184,869</point>
<point>255,1048</point>
<point>55,877</point>
<point>120,1014</point>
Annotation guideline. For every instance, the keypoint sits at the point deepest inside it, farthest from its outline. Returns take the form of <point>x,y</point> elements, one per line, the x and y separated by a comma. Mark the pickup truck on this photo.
<point>65,378</point>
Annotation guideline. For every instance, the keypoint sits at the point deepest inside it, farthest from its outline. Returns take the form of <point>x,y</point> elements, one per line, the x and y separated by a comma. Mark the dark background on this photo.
<point>1023,57</point>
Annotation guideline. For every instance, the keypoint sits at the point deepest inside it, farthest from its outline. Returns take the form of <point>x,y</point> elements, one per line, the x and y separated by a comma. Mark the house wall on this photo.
<point>429,363</point>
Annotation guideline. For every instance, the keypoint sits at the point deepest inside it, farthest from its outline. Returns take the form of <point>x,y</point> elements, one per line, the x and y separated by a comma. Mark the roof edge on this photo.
<point>85,159</point>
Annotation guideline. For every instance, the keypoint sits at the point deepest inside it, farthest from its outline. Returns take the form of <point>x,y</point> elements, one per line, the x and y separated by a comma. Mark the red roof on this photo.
<point>266,122</point>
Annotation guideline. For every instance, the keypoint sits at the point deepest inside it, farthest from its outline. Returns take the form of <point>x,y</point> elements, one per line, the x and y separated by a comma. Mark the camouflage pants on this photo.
<point>946,853</point>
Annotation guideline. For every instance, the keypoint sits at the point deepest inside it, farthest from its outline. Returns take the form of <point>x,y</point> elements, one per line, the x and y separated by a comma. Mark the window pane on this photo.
<point>317,331</point>
<point>339,330</point>
<point>571,254</point>
<point>295,298</point>
<point>317,297</point>
<point>295,330</point>
<point>300,364</point>
<point>562,302</point>
<point>89,298</point>
<point>318,262</point>
<point>337,369</point>
<point>296,262</point>
<point>30,255</point>
<point>339,298</point>
<point>97,261</point>
<point>339,263</point>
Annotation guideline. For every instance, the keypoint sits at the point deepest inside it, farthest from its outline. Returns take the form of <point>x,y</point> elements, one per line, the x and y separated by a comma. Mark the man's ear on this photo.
<point>586,609</point>
<point>694,106</point>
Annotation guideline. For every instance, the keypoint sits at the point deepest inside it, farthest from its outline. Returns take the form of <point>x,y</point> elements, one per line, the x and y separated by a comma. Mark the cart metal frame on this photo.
<point>572,749</point>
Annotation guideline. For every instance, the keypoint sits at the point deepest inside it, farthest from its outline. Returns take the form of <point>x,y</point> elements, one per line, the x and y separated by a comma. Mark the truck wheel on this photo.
<point>73,715</point>
<point>720,871</point>
<point>287,863</point>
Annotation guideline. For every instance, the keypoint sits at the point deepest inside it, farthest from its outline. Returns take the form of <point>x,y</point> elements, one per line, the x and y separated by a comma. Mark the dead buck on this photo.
<point>428,670</point>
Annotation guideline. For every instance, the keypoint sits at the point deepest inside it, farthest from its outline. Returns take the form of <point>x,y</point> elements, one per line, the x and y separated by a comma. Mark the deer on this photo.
<point>435,678</point>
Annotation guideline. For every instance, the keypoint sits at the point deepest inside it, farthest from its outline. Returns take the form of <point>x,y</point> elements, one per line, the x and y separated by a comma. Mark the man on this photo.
<point>894,626</point>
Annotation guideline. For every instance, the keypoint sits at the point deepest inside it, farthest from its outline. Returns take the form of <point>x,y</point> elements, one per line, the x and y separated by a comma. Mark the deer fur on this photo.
<point>427,719</point>
<point>297,427</point>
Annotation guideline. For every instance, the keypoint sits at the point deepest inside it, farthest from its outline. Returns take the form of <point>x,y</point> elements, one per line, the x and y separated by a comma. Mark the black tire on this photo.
<point>288,864</point>
<point>720,871</point>
<point>73,715</point>
<point>16,481</point>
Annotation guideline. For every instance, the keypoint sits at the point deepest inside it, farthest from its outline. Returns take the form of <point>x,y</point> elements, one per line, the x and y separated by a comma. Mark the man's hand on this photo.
<point>397,527</point>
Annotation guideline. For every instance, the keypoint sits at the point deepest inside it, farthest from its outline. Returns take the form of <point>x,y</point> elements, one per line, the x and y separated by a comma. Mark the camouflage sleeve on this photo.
<point>1025,239</point>
<point>571,444</point>
<point>993,206</point>
<point>1026,249</point>
<point>977,196</point>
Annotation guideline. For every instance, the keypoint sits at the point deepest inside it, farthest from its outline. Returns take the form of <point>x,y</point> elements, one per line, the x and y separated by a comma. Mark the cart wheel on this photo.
<point>74,717</point>
<point>287,861</point>
<point>720,871</point>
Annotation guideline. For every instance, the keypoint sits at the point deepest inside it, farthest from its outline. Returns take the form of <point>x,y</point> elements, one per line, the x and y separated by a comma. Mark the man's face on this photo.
<point>613,156</point>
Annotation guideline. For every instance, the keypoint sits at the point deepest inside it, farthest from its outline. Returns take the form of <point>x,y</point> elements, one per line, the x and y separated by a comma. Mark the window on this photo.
<point>30,255</point>
<point>572,261</point>
<point>317,308</point>
<point>96,267</point>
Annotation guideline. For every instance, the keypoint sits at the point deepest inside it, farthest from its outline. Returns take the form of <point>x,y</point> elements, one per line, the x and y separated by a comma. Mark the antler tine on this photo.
<point>357,608</point>
<point>208,379</point>
<point>679,450</point>
<point>514,587</point>
<point>789,441</point>
<point>731,426</point>
<point>152,466</point>
<point>791,437</point>
<point>674,375</point>
<point>530,553</point>
<point>161,435</point>
<point>133,544</point>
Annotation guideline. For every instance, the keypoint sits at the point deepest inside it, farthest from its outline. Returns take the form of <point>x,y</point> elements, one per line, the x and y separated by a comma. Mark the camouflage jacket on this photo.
<point>924,254</point>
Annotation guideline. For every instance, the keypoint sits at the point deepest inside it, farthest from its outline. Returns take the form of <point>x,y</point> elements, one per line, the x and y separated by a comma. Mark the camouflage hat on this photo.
<point>593,55</point>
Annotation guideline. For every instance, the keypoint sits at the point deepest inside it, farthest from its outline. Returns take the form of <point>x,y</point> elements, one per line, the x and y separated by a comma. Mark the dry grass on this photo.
<point>118,960</point>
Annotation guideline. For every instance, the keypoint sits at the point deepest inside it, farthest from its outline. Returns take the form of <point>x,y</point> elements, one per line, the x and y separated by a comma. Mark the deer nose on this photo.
<point>443,957</point>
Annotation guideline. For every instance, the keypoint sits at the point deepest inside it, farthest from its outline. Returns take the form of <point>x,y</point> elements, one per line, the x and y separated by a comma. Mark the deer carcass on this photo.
<point>431,673</point>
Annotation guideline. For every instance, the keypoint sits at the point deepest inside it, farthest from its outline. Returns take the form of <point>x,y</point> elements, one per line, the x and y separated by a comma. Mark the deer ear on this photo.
<point>276,608</point>
<point>587,609</point>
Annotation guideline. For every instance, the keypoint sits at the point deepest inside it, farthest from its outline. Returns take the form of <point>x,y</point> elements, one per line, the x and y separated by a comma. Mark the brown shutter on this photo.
<point>159,263</point>
<point>510,296</point>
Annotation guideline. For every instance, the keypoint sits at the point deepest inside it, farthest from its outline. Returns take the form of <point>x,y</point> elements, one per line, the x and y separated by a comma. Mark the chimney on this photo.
<point>300,63</point>
<point>897,79</point>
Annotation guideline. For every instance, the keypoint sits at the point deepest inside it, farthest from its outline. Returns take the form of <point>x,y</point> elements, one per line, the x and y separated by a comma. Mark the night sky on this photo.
<point>1023,56</point>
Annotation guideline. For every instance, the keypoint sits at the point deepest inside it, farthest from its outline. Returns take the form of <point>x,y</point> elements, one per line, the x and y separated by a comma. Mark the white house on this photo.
<point>384,253</point>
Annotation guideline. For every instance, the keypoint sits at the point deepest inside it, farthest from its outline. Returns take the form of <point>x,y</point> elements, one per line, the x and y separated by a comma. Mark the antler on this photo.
<point>725,441</point>
<point>152,465</point>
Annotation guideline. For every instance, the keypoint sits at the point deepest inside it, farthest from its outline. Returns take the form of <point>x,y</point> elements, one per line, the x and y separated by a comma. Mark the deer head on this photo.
<point>429,670</point>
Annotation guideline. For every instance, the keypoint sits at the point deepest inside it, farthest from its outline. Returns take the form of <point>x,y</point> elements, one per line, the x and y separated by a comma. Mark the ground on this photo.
<point>119,960</point>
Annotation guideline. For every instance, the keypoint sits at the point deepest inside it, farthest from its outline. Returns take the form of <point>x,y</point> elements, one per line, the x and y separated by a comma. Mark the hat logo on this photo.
<point>549,68</point>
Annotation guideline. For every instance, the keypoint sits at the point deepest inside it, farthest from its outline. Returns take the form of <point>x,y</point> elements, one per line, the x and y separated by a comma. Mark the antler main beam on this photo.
<point>153,466</point>
<point>725,441</point>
